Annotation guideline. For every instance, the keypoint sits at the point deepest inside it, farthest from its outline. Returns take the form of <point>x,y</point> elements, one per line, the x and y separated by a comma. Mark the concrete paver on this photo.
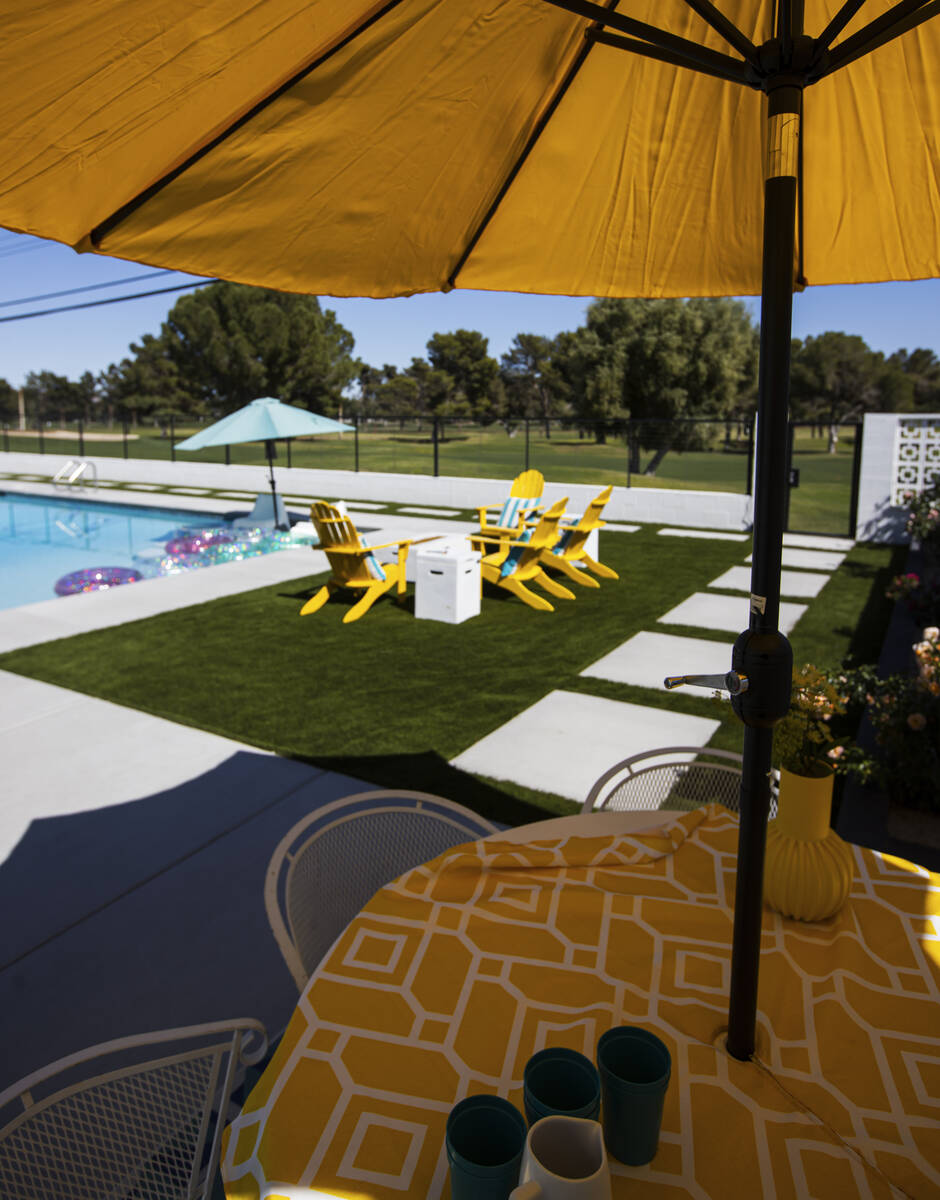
<point>567,740</point>
<point>430,512</point>
<point>806,584</point>
<point>809,560</point>
<point>647,658</point>
<point>821,541</point>
<point>711,534</point>
<point>730,613</point>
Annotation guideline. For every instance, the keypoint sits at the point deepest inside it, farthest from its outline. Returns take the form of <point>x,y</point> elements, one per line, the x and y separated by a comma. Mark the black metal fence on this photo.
<point>697,454</point>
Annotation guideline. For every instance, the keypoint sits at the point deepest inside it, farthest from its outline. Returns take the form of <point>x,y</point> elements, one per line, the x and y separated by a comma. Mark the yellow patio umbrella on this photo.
<point>634,148</point>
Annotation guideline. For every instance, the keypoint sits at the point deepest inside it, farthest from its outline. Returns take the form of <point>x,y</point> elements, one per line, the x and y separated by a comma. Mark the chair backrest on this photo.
<point>334,529</point>
<point>126,1118</point>
<point>524,496</point>
<point>591,517</point>
<point>672,777</point>
<point>334,860</point>
<point>522,559</point>
<point>528,485</point>
<point>336,532</point>
<point>574,537</point>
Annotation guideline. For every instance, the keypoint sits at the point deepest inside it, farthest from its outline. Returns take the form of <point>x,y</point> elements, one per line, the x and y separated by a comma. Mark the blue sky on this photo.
<point>886,315</point>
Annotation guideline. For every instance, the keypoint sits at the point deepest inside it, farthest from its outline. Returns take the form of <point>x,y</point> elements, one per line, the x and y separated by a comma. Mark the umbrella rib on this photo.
<point>649,33</point>
<point>896,21</point>
<point>801,279</point>
<point>736,73</point>
<point>838,23</point>
<point>785,28</point>
<point>516,167</point>
<point>110,223</point>
<point>728,30</point>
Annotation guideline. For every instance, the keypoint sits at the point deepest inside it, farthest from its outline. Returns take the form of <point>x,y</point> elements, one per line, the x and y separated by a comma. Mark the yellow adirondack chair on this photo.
<point>569,549</point>
<point>515,562</point>
<point>523,502</point>
<point>353,562</point>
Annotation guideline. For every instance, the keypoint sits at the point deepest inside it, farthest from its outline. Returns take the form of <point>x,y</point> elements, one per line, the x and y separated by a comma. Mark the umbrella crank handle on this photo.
<point>731,682</point>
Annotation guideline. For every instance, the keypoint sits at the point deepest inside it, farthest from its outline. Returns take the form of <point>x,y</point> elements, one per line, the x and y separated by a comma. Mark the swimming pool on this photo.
<point>43,539</point>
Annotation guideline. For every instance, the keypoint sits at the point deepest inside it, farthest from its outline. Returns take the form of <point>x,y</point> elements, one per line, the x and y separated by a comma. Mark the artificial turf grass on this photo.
<point>249,668</point>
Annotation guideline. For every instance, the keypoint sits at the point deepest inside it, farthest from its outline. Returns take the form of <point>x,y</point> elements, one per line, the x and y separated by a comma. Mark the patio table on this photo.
<point>454,974</point>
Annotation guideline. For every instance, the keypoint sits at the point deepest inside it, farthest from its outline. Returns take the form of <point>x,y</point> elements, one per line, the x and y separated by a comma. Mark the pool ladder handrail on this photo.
<point>77,474</point>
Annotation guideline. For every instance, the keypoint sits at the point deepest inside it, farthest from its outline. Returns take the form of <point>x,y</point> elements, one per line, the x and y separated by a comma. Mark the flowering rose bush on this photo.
<point>803,740</point>
<point>921,593</point>
<point>923,518</point>
<point>904,711</point>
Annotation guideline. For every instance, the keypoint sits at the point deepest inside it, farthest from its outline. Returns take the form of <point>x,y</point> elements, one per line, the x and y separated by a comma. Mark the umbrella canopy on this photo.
<point>264,420</point>
<point>384,147</point>
<point>355,147</point>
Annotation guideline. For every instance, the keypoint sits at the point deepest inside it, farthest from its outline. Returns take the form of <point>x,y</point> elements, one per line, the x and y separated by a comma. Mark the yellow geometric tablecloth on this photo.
<point>452,976</point>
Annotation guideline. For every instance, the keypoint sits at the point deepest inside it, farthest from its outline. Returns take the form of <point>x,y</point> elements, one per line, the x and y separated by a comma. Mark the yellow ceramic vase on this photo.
<point>808,868</point>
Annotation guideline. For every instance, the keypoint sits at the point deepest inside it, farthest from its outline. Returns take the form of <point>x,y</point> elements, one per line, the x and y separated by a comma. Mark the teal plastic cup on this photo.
<point>559,1082</point>
<point>485,1140</point>
<point>634,1066</point>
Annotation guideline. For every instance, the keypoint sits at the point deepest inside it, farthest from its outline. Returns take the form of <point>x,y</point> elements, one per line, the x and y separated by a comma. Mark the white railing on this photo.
<point>75,474</point>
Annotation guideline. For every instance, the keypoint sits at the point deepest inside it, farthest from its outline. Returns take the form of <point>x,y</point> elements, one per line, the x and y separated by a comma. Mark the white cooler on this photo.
<point>447,581</point>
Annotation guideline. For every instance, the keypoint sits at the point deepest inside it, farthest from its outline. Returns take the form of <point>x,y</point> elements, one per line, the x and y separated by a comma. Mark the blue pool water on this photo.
<point>43,539</point>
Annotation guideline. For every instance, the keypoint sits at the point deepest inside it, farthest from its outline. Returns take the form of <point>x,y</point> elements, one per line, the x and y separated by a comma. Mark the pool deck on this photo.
<point>68,615</point>
<point>133,850</point>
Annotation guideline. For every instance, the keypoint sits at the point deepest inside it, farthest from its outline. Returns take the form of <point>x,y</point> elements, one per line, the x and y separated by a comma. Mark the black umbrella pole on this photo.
<point>271,452</point>
<point>762,651</point>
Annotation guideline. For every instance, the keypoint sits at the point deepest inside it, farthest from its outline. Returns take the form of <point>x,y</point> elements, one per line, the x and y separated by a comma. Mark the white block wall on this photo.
<point>880,518</point>
<point>704,510</point>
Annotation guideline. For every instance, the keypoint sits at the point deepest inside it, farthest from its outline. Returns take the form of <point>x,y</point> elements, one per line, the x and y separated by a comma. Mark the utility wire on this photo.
<point>11,251</point>
<point>89,287</point>
<point>46,312</point>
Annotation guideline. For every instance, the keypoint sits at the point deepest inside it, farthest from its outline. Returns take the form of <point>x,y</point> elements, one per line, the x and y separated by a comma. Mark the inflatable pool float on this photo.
<point>193,541</point>
<point>95,579</point>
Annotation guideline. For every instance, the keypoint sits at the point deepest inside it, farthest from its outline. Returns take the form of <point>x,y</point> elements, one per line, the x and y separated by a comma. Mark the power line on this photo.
<point>46,312</point>
<point>89,287</point>
<point>11,251</point>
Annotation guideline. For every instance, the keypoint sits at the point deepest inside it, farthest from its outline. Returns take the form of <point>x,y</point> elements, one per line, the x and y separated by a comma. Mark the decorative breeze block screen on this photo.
<point>916,456</point>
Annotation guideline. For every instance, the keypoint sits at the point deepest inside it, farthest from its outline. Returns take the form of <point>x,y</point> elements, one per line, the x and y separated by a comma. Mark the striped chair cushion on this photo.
<point>514,555</point>
<point>373,566</point>
<point>514,509</point>
<point>562,541</point>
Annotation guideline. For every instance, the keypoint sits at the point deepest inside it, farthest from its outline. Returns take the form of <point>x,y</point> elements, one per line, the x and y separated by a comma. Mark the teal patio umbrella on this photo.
<point>264,420</point>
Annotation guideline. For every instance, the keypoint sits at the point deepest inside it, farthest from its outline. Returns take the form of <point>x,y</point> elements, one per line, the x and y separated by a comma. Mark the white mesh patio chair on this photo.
<point>334,860</point>
<point>672,778</point>
<point>137,1118</point>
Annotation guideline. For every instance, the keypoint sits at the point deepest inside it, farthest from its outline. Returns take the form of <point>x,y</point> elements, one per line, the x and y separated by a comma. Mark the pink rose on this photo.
<point>836,752</point>
<point>917,721</point>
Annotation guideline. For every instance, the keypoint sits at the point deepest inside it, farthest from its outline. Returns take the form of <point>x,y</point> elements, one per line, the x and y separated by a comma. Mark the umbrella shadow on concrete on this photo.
<point>149,914</point>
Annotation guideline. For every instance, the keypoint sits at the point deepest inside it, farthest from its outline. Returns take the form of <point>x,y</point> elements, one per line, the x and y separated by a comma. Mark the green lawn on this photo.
<point>390,699</point>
